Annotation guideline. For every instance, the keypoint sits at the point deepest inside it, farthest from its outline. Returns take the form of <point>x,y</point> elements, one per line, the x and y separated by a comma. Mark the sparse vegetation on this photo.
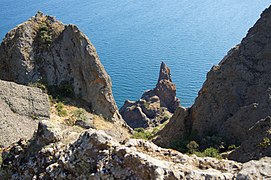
<point>79,114</point>
<point>265,142</point>
<point>211,146</point>
<point>44,34</point>
<point>140,133</point>
<point>39,85</point>
<point>61,91</point>
<point>56,92</point>
<point>232,147</point>
<point>192,147</point>
<point>209,152</point>
<point>60,109</point>
<point>146,105</point>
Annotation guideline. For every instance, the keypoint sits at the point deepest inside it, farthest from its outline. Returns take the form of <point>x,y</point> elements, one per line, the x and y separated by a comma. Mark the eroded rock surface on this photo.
<point>155,106</point>
<point>46,51</point>
<point>257,144</point>
<point>236,94</point>
<point>96,155</point>
<point>21,108</point>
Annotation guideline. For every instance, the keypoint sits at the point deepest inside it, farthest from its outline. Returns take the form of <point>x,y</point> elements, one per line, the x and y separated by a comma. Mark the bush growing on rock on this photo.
<point>211,152</point>
<point>79,114</point>
<point>60,109</point>
<point>44,34</point>
<point>140,133</point>
<point>192,147</point>
<point>265,142</point>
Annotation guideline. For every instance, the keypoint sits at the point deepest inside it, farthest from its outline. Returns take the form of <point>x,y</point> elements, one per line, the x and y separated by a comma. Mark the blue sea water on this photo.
<point>132,37</point>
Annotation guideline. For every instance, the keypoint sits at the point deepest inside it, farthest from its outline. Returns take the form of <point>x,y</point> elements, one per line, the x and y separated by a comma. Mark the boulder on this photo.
<point>21,110</point>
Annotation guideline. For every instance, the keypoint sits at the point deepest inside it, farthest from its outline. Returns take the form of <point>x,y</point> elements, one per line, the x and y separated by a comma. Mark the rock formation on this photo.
<point>21,108</point>
<point>235,96</point>
<point>96,155</point>
<point>46,51</point>
<point>257,144</point>
<point>155,106</point>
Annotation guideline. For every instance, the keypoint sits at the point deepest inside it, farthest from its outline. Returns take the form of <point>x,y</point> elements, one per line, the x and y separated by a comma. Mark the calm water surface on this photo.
<point>132,37</point>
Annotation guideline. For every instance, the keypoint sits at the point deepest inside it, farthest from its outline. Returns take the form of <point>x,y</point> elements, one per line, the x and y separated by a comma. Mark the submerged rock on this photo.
<point>155,106</point>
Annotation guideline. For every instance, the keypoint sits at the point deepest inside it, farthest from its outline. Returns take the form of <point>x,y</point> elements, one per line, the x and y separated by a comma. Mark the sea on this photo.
<point>133,37</point>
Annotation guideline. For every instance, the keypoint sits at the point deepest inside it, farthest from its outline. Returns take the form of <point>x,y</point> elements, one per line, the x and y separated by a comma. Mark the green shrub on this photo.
<point>140,133</point>
<point>44,34</point>
<point>39,85</point>
<point>211,152</point>
<point>212,141</point>
<point>192,147</point>
<point>79,114</point>
<point>232,147</point>
<point>60,109</point>
<point>265,142</point>
<point>180,145</point>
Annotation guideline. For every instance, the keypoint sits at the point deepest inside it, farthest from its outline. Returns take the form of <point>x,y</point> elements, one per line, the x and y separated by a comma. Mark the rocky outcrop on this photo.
<point>257,144</point>
<point>21,108</point>
<point>155,106</point>
<point>96,155</point>
<point>236,94</point>
<point>46,51</point>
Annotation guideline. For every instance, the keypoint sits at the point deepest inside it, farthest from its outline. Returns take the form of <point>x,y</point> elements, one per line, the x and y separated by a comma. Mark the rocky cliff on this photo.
<point>21,108</point>
<point>46,51</point>
<point>235,96</point>
<point>96,155</point>
<point>155,106</point>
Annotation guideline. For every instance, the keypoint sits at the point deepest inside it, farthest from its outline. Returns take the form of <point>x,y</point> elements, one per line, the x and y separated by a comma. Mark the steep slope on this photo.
<point>21,108</point>
<point>155,106</point>
<point>235,95</point>
<point>46,51</point>
<point>95,155</point>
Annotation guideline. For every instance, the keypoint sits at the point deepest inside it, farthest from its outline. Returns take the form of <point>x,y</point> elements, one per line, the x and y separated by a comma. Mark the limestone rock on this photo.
<point>21,109</point>
<point>48,132</point>
<point>236,93</point>
<point>256,170</point>
<point>44,50</point>
<point>96,155</point>
<point>155,106</point>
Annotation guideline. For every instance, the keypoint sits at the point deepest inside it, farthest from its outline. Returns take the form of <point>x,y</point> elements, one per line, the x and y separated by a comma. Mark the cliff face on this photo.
<point>155,106</point>
<point>21,108</point>
<point>235,95</point>
<point>46,51</point>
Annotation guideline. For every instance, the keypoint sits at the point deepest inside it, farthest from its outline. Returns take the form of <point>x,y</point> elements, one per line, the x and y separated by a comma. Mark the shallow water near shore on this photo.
<point>133,37</point>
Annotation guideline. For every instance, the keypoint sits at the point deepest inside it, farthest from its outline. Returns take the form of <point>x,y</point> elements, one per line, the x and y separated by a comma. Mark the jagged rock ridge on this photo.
<point>155,106</point>
<point>44,50</point>
<point>95,155</point>
<point>236,94</point>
